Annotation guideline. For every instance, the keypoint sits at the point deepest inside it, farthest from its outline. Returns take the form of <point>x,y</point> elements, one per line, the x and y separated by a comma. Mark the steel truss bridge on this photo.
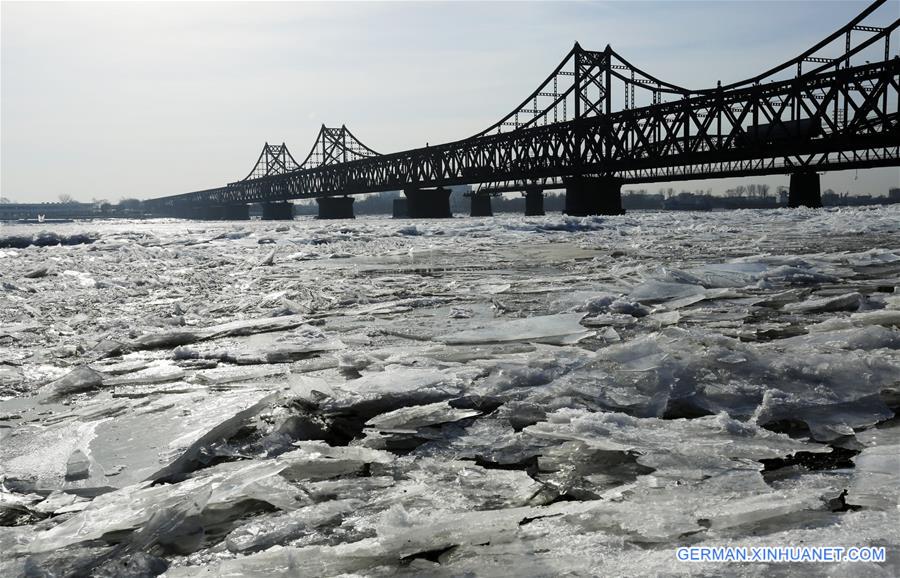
<point>597,121</point>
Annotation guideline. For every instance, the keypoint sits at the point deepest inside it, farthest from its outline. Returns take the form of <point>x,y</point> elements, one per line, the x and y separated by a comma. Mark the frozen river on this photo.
<point>469,397</point>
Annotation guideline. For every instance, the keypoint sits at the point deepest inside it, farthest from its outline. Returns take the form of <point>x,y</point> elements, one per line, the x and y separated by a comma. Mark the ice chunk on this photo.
<point>79,379</point>
<point>409,419</point>
<point>460,486</point>
<point>653,291</point>
<point>226,375</point>
<point>876,478</point>
<point>60,502</point>
<point>234,328</point>
<point>157,372</point>
<point>884,317</point>
<point>262,349</point>
<point>494,440</point>
<point>40,455</point>
<point>267,532</point>
<point>379,392</point>
<point>78,466</point>
<point>406,533</point>
<point>564,327</point>
<point>211,420</point>
<point>867,338</point>
<point>717,436</point>
<point>218,493</point>
<point>315,460</point>
<point>146,440</point>
<point>845,302</point>
<point>289,561</point>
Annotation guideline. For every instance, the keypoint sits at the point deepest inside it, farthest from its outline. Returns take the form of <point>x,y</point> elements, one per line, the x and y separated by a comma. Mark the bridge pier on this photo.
<point>278,211</point>
<point>534,202</point>
<point>428,203</point>
<point>235,213</point>
<point>593,196</point>
<point>481,206</point>
<point>214,213</point>
<point>335,207</point>
<point>180,211</point>
<point>205,212</point>
<point>805,190</point>
<point>400,209</point>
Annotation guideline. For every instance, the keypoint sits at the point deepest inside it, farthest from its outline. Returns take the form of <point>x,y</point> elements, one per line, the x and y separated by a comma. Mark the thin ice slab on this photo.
<point>564,328</point>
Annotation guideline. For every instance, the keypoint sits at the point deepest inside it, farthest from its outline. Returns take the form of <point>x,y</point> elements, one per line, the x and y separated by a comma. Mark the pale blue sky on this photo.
<point>109,100</point>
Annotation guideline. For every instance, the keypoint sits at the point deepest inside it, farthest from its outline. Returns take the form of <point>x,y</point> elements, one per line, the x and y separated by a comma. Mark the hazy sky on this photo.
<point>105,100</point>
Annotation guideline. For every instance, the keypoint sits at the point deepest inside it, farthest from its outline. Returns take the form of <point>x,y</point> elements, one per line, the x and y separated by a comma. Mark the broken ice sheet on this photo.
<point>231,329</point>
<point>155,372</point>
<point>146,440</point>
<point>458,486</point>
<point>226,375</point>
<point>846,302</point>
<point>885,317</point>
<point>875,480</point>
<point>218,494</point>
<point>409,419</point>
<point>79,379</point>
<point>259,534</point>
<point>654,291</point>
<point>379,392</point>
<point>687,372</point>
<point>700,444</point>
<point>560,329</point>
<point>725,500</point>
<point>261,349</point>
<point>316,460</point>
<point>829,369</point>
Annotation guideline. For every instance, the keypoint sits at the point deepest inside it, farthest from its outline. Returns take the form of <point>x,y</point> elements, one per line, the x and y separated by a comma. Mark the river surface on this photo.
<point>463,397</point>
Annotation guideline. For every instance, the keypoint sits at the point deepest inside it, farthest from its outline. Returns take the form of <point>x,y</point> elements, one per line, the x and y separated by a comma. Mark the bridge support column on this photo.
<point>401,210</point>
<point>278,211</point>
<point>481,206</point>
<point>210,213</point>
<point>534,202</point>
<point>180,211</point>
<point>805,190</point>
<point>335,207</point>
<point>428,203</point>
<point>593,196</point>
<point>236,213</point>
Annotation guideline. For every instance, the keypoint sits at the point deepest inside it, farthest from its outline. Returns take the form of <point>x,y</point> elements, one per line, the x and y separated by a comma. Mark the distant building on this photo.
<point>894,195</point>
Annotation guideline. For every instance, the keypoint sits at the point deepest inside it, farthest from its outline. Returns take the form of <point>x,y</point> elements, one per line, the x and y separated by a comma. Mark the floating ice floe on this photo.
<point>876,478</point>
<point>409,419</point>
<point>144,441</point>
<point>564,328</point>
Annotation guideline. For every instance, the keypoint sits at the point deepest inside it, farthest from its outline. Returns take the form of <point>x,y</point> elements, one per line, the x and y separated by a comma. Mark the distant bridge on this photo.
<point>598,121</point>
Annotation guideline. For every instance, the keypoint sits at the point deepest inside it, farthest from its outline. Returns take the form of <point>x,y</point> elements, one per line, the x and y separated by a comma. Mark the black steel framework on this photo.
<point>597,114</point>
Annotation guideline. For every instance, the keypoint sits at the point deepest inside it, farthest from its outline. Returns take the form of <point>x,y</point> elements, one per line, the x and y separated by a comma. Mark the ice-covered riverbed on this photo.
<point>507,396</point>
